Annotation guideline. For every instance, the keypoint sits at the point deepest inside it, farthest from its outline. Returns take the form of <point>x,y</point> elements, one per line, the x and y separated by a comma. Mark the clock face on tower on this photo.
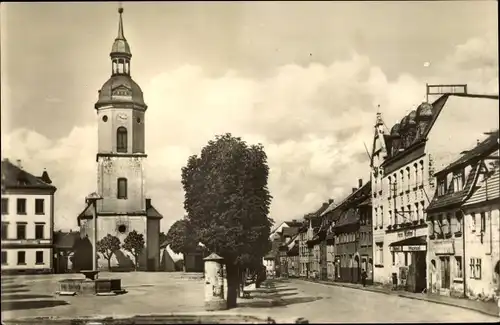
<point>122,117</point>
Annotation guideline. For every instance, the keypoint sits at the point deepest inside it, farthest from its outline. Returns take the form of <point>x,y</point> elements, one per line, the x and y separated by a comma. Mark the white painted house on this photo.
<point>27,220</point>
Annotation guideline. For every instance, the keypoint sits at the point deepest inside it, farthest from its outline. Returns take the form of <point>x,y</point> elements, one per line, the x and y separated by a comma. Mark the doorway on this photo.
<point>445,272</point>
<point>420,271</point>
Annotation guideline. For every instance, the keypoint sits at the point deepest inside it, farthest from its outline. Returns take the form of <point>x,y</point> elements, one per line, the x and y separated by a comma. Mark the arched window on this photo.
<point>122,188</point>
<point>121,139</point>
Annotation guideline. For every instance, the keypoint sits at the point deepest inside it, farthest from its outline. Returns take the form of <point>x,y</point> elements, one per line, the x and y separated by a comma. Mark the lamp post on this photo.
<point>92,199</point>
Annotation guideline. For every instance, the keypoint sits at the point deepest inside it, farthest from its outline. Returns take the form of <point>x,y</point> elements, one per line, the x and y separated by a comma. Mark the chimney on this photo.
<point>360,183</point>
<point>477,142</point>
<point>354,189</point>
<point>19,163</point>
<point>148,203</point>
<point>330,201</point>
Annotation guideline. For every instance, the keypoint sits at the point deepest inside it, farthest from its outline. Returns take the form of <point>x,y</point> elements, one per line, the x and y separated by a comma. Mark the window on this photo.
<point>483,222</point>
<point>390,186</point>
<point>39,257</point>
<point>473,225</point>
<point>381,217</point>
<point>478,268</point>
<point>21,206</point>
<point>441,186</point>
<point>39,230</point>
<point>5,228</point>
<point>4,257</point>
<point>448,223</point>
<point>39,206</point>
<point>402,182</point>
<point>458,267</point>
<point>421,173</point>
<point>415,167</point>
<point>21,257</point>
<point>408,178</point>
<point>380,254</point>
<point>458,181</point>
<point>458,222</point>
<point>21,231</point>
<point>406,258</point>
<point>5,206</point>
<point>417,212</point>
<point>122,188</point>
<point>121,139</point>
<point>393,258</point>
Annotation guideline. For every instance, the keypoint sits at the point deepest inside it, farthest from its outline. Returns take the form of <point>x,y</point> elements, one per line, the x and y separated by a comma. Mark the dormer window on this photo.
<point>441,186</point>
<point>458,181</point>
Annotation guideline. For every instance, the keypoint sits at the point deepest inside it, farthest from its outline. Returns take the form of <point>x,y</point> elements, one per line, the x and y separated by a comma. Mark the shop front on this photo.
<point>411,256</point>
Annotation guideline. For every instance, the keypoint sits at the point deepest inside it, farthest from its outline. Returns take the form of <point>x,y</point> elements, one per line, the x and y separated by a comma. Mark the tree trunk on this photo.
<point>241,276</point>
<point>136,264</point>
<point>109,264</point>
<point>184,262</point>
<point>232,285</point>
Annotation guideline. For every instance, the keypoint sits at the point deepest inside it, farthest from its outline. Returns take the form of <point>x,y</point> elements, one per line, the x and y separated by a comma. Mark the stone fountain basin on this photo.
<point>90,287</point>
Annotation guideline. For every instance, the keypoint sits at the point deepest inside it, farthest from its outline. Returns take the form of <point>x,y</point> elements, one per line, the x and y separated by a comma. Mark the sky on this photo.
<point>302,78</point>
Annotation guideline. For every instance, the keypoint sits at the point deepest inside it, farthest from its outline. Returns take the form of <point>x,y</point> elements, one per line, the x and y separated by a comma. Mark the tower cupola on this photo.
<point>120,52</point>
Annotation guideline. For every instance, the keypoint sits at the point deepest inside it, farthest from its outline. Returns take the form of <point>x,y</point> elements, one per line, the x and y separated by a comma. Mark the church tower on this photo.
<point>121,155</point>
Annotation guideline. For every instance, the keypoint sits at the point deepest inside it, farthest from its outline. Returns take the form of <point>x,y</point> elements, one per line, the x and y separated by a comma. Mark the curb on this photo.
<point>402,295</point>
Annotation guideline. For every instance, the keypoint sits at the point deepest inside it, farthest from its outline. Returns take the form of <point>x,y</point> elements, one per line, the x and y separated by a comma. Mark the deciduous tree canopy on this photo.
<point>107,246</point>
<point>227,201</point>
<point>181,238</point>
<point>134,243</point>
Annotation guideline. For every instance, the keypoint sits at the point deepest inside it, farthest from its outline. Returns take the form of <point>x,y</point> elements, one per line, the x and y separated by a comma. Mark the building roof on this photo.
<point>151,212</point>
<point>453,198</point>
<point>472,157</point>
<point>348,217</point>
<point>14,177</point>
<point>290,231</point>
<point>488,189</point>
<point>485,147</point>
<point>65,240</point>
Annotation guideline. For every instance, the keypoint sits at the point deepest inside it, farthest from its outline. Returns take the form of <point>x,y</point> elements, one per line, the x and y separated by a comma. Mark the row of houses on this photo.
<point>428,218</point>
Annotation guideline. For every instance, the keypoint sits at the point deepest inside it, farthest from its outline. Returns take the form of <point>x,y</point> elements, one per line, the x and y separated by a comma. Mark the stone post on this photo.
<point>214,283</point>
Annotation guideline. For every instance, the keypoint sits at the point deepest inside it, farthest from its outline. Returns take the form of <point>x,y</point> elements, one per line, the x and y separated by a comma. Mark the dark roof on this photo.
<point>290,231</point>
<point>394,141</point>
<point>348,217</point>
<point>294,223</point>
<point>420,240</point>
<point>13,177</point>
<point>65,240</point>
<point>486,147</point>
<point>152,213</point>
<point>452,198</point>
<point>294,251</point>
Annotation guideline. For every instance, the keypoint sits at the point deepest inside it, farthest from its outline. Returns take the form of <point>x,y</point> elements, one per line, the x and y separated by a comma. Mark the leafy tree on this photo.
<point>227,201</point>
<point>107,246</point>
<point>163,237</point>
<point>181,239</point>
<point>134,243</point>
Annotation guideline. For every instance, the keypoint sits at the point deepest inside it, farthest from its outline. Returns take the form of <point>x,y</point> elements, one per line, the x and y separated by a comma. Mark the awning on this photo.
<point>411,244</point>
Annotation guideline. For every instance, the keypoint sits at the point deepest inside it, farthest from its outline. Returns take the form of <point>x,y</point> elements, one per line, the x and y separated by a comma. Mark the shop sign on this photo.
<point>409,248</point>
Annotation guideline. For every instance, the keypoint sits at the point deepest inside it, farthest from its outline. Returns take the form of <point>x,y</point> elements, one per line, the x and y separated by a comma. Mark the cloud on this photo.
<point>312,121</point>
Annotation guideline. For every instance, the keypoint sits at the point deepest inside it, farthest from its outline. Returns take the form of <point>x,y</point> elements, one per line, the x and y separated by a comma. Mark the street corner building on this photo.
<point>464,228</point>
<point>349,236</point>
<point>27,220</point>
<point>403,162</point>
<point>121,113</point>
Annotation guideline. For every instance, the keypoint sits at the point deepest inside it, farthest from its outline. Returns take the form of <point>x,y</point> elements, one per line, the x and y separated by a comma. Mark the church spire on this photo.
<point>120,52</point>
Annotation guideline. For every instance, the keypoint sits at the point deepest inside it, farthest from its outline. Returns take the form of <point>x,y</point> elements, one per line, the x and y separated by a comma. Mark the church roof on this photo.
<point>120,88</point>
<point>14,177</point>
<point>120,45</point>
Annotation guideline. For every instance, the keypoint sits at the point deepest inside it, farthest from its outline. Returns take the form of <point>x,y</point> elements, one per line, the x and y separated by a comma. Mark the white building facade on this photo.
<point>27,221</point>
<point>425,140</point>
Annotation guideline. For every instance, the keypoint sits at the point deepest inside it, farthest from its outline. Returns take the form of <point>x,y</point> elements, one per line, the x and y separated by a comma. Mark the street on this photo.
<point>321,303</point>
<point>164,293</point>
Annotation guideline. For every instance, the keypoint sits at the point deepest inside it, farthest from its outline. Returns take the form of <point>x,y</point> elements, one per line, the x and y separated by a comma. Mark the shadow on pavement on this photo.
<point>21,297</point>
<point>31,304</point>
<point>12,286</point>
<point>278,302</point>
<point>14,291</point>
